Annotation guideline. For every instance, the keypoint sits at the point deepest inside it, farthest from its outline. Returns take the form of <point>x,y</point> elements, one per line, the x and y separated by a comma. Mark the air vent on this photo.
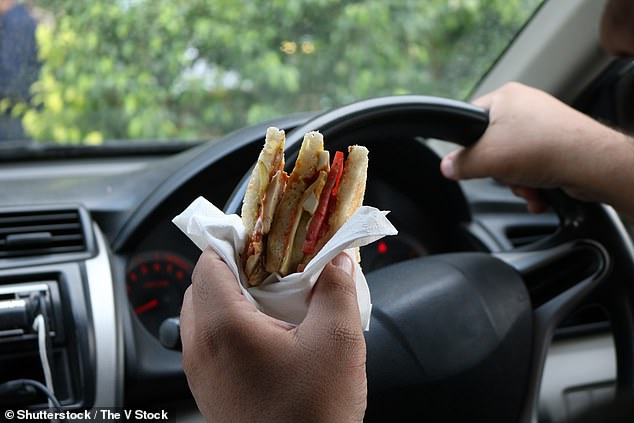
<point>519,236</point>
<point>41,232</point>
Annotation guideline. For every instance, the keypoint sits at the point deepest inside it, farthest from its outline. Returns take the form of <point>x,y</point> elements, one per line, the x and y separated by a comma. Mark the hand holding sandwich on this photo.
<point>243,365</point>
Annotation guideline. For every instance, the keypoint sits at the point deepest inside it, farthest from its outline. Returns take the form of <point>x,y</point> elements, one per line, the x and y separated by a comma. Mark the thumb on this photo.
<point>456,165</point>
<point>474,161</point>
<point>485,101</point>
<point>467,163</point>
<point>334,297</point>
<point>459,164</point>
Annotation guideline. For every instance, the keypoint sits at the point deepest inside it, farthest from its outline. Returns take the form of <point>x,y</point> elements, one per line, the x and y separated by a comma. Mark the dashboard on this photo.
<point>127,204</point>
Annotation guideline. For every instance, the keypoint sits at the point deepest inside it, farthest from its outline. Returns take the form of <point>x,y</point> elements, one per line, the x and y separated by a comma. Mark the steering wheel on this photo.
<point>464,336</point>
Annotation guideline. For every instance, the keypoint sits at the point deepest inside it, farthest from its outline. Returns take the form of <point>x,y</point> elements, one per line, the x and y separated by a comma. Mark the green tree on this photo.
<point>196,69</point>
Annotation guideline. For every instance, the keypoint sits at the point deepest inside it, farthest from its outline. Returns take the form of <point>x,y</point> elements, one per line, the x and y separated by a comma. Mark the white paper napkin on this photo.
<point>284,298</point>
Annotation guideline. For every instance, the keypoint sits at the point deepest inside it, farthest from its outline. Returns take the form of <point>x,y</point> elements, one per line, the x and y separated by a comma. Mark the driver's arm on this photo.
<point>536,141</point>
<point>243,365</point>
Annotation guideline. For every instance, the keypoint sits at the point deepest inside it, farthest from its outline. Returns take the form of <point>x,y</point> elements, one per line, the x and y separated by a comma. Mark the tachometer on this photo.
<point>156,282</point>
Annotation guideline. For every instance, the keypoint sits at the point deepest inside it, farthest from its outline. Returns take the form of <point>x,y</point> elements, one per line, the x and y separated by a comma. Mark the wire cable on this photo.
<point>17,384</point>
<point>39,324</point>
<point>43,341</point>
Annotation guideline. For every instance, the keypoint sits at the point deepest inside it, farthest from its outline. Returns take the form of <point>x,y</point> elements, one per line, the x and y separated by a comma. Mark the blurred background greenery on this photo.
<point>197,69</point>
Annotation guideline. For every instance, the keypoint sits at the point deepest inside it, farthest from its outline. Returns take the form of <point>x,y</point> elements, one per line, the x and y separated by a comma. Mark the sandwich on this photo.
<point>264,191</point>
<point>289,218</point>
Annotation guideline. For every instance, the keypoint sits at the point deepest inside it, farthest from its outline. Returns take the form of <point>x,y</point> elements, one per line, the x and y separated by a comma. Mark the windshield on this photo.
<point>85,72</point>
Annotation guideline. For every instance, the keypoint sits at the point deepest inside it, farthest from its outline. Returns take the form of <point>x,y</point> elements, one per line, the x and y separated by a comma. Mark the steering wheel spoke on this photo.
<point>558,279</point>
<point>559,276</point>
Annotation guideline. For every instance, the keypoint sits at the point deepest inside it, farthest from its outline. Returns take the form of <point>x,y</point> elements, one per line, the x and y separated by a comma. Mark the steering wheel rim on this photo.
<point>583,227</point>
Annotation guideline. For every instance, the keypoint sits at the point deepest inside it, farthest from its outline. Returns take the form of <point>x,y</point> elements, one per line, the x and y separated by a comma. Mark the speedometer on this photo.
<point>156,282</point>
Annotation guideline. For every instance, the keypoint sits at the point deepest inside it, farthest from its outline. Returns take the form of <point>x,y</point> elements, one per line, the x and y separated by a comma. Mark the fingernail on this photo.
<point>447,166</point>
<point>344,262</point>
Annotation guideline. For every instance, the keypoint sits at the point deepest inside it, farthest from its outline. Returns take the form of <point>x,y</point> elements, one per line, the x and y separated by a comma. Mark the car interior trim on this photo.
<point>563,385</point>
<point>108,364</point>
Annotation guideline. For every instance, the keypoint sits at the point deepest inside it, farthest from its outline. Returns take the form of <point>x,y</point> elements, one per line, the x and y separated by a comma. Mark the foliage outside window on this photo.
<point>197,69</point>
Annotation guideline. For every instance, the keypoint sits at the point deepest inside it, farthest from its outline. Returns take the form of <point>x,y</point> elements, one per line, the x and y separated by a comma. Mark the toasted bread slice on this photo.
<point>267,181</point>
<point>271,160</point>
<point>312,160</point>
<point>349,197</point>
<point>352,187</point>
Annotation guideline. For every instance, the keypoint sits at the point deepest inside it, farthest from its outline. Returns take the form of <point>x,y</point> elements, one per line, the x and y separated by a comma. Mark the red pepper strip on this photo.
<point>328,194</point>
<point>332,204</point>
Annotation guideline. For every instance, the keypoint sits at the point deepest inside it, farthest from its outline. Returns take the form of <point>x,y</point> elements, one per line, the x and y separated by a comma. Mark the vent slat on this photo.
<point>64,229</point>
<point>18,219</point>
<point>40,251</point>
<point>55,238</point>
<point>39,228</point>
<point>59,238</point>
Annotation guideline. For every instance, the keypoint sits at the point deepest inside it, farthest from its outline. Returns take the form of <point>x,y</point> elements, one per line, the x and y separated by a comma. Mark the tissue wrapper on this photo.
<point>285,298</point>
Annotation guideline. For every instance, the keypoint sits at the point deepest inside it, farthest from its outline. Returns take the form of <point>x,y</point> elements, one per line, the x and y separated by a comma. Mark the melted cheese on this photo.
<point>290,261</point>
<point>271,199</point>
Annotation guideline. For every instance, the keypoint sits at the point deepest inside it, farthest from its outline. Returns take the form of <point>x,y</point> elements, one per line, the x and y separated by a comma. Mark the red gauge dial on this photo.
<point>156,282</point>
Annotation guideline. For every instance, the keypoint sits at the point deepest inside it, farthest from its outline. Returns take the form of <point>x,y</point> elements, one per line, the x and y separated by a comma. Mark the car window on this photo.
<point>85,72</point>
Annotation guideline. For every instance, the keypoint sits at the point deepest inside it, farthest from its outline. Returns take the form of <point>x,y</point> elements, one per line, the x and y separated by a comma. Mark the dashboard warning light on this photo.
<point>381,247</point>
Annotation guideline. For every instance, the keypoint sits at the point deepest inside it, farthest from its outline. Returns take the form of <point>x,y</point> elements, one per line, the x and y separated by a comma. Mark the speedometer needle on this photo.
<point>150,305</point>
